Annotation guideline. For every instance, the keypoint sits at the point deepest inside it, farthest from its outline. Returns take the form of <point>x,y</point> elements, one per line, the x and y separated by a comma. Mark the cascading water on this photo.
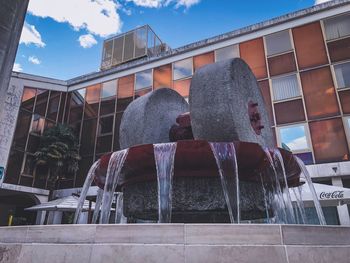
<point>286,194</point>
<point>300,204</point>
<point>119,208</point>
<point>266,198</point>
<point>226,160</point>
<point>308,180</point>
<point>97,205</point>
<point>88,181</point>
<point>115,165</point>
<point>164,155</point>
<point>277,200</point>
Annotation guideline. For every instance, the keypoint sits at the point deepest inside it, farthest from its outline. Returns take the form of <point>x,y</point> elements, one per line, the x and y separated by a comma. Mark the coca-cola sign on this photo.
<point>332,195</point>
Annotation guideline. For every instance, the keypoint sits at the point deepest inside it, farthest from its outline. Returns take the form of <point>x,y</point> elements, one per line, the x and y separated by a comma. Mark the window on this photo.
<point>294,138</point>
<point>227,53</point>
<point>342,74</point>
<point>109,89</point>
<point>285,87</point>
<point>105,125</point>
<point>107,54</point>
<point>337,27</point>
<point>183,69</point>
<point>37,124</point>
<point>143,79</point>
<point>278,43</point>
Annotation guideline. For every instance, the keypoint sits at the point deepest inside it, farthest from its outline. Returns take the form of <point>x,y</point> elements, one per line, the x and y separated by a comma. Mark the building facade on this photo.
<point>302,64</point>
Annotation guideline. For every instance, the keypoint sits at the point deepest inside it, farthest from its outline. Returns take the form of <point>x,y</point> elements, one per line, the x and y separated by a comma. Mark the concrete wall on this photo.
<point>175,243</point>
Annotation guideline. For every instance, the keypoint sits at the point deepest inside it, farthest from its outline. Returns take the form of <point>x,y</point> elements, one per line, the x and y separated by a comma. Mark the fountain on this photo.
<point>211,161</point>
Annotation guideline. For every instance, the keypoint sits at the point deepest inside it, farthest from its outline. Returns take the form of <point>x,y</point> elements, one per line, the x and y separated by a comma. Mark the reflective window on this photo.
<point>106,125</point>
<point>107,54</point>
<point>285,87</point>
<point>294,138</point>
<point>337,27</point>
<point>143,79</point>
<point>109,89</point>
<point>162,77</point>
<point>183,69</point>
<point>29,165</point>
<point>227,53</point>
<point>28,98</point>
<point>342,74</point>
<point>202,60</point>
<point>93,94</point>
<point>278,43</point>
<point>37,124</point>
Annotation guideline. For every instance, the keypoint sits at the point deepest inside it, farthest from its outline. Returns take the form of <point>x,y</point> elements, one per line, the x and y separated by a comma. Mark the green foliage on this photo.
<point>59,152</point>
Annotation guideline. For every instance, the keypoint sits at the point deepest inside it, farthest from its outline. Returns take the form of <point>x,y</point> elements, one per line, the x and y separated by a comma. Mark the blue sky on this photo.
<point>63,38</point>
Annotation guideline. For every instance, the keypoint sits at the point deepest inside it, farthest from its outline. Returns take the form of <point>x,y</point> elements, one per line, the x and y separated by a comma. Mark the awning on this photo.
<point>327,195</point>
<point>68,203</point>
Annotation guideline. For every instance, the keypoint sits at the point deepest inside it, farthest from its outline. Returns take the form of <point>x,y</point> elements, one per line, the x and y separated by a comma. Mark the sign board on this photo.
<point>332,195</point>
<point>1,172</point>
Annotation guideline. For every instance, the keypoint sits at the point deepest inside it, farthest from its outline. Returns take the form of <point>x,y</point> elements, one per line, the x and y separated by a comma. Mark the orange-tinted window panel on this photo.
<point>126,87</point>
<point>289,111</point>
<point>339,50</point>
<point>329,141</point>
<point>183,87</point>
<point>319,93</point>
<point>252,52</point>
<point>202,60</point>
<point>142,92</point>
<point>93,93</point>
<point>162,77</point>
<point>345,100</point>
<point>309,45</point>
<point>265,90</point>
<point>282,64</point>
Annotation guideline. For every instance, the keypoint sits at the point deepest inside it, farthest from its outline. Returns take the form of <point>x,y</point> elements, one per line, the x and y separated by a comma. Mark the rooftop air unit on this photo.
<point>135,44</point>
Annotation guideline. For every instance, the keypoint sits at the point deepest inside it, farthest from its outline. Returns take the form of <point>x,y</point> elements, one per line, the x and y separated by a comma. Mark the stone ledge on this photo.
<point>185,234</point>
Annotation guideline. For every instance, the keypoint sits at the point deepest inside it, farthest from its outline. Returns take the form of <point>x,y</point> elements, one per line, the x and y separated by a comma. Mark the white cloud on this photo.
<point>317,2</point>
<point>298,144</point>
<point>186,3</point>
<point>17,67</point>
<point>34,60</point>
<point>31,36</point>
<point>87,41</point>
<point>148,3</point>
<point>161,3</point>
<point>98,17</point>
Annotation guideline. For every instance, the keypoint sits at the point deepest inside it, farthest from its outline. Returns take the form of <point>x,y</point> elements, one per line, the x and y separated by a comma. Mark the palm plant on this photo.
<point>59,153</point>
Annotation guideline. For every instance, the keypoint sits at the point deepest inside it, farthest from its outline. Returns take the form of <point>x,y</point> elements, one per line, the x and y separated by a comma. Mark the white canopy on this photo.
<point>68,203</point>
<point>327,194</point>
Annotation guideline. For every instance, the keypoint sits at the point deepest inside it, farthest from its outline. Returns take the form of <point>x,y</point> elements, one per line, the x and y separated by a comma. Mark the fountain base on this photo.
<point>195,200</point>
<point>175,243</point>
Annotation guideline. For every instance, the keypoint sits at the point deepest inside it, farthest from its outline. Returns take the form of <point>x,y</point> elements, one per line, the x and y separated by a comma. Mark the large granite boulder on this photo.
<point>226,104</point>
<point>149,118</point>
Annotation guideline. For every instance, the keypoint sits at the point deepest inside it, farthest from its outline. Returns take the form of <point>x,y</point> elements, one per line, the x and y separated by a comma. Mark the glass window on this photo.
<point>337,27</point>
<point>143,79</point>
<point>118,46</point>
<point>37,124</point>
<point>162,77</point>
<point>107,54</point>
<point>285,87</point>
<point>278,43</point>
<point>29,165</point>
<point>106,125</point>
<point>294,138</point>
<point>140,42</point>
<point>342,74</point>
<point>109,89</point>
<point>28,98</point>
<point>183,69</point>
<point>202,60</point>
<point>253,53</point>
<point>129,44</point>
<point>227,53</point>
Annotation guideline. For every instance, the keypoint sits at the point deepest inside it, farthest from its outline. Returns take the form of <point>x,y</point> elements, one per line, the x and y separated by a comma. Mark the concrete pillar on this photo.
<point>40,217</point>
<point>343,212</point>
<point>12,14</point>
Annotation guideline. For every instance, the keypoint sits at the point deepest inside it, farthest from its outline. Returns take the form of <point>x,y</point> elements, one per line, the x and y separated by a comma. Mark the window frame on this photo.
<point>307,135</point>
<point>135,80</point>
<point>296,74</point>
<point>186,77</point>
